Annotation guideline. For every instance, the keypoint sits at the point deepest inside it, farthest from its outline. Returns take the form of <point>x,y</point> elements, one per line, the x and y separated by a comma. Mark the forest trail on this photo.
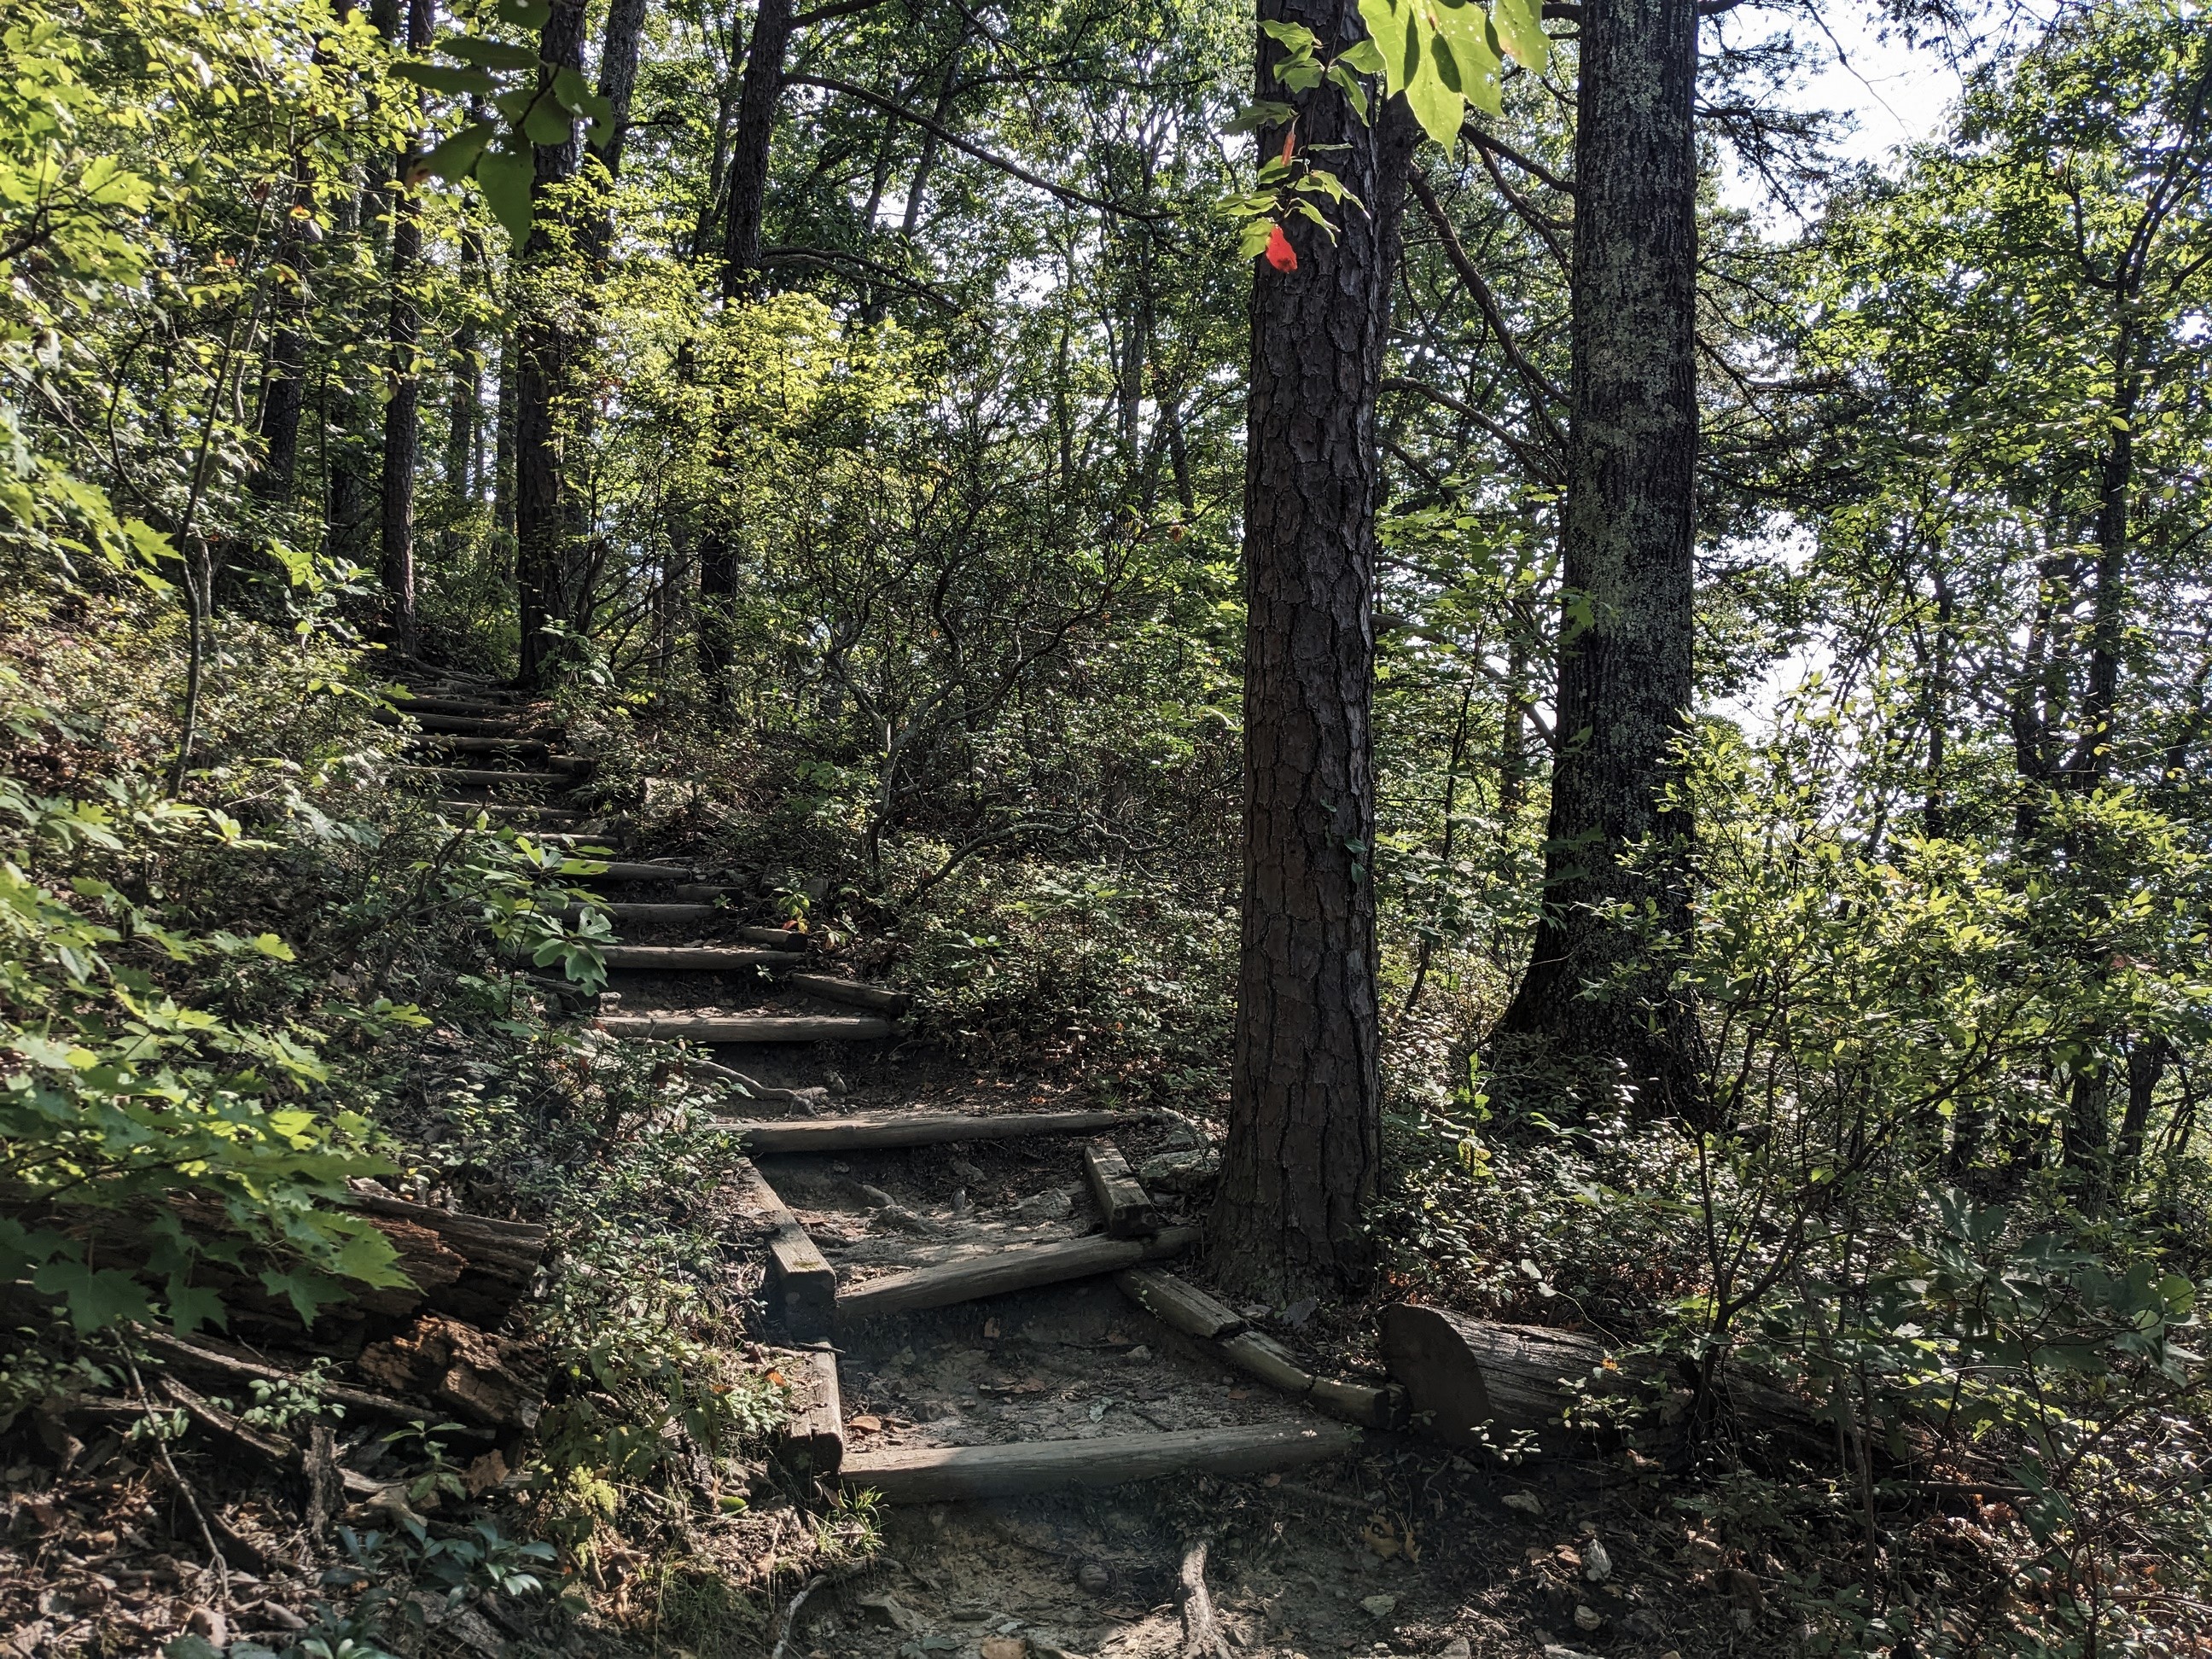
<point>973,1292</point>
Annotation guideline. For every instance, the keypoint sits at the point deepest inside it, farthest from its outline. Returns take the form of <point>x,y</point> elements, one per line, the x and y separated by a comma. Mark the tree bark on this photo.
<point>464,424</point>
<point>403,413</point>
<point>543,353</point>
<point>718,592</point>
<point>758,99</point>
<point>1304,1121</point>
<point>1624,678</point>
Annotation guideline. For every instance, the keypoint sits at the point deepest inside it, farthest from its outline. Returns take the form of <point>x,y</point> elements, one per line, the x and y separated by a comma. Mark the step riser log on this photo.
<point>940,1475</point>
<point>956,1282</point>
<point>852,1135</point>
<point>852,992</point>
<point>754,1027</point>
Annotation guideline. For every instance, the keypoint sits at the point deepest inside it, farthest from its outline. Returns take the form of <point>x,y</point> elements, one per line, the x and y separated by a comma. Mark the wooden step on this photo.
<point>548,817</point>
<point>750,1028</point>
<point>483,777</point>
<point>947,1283</point>
<point>646,912</point>
<point>802,1288</point>
<point>874,1130</point>
<point>467,725</point>
<point>691,958</point>
<point>616,870</point>
<point>520,748</point>
<point>775,939</point>
<point>1120,1197</point>
<point>463,709</point>
<point>851,991</point>
<point>929,1475</point>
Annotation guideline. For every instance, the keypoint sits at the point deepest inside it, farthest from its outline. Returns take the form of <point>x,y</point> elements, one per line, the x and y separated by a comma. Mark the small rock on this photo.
<point>1180,1138</point>
<point>900,1220</point>
<point>1644,1625</point>
<point>1256,1310</point>
<point>1587,1617</point>
<point>278,1617</point>
<point>1300,1311</point>
<point>1457,1648</point>
<point>961,1206</point>
<point>207,1622</point>
<point>1180,1172</point>
<point>1054,1204</point>
<point>964,1171</point>
<point>1523,1503</point>
<point>874,1197</point>
<point>835,1079</point>
<point>1380,1606</point>
<point>1094,1578</point>
<point>1597,1566</point>
<point>1139,1354</point>
<point>1006,1647</point>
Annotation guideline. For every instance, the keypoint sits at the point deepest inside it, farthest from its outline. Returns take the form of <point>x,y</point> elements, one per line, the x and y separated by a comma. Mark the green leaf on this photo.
<point>505,177</point>
<point>525,13</point>
<point>1520,26</point>
<point>490,54</point>
<point>572,92</point>
<point>1473,49</point>
<point>192,1306</point>
<point>1257,116</point>
<point>269,945</point>
<point>1363,58</point>
<point>97,1296</point>
<point>548,124</point>
<point>1434,99</point>
<point>456,158</point>
<point>447,77</point>
<point>309,1291</point>
<point>1390,24</point>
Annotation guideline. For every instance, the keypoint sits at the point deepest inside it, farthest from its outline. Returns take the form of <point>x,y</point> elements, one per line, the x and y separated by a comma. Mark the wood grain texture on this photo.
<point>950,1283</point>
<point>936,1474</point>
<point>859,1133</point>
<point>750,1028</point>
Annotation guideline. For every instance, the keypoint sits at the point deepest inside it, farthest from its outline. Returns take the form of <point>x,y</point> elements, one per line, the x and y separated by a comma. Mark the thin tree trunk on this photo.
<point>1625,680</point>
<point>758,99</point>
<point>543,353</point>
<point>1304,1120</point>
<point>462,423</point>
<point>927,164</point>
<point>2092,759</point>
<point>403,412</point>
<point>502,442</point>
<point>718,590</point>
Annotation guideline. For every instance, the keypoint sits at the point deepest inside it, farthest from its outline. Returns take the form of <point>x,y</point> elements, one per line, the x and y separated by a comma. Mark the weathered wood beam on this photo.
<point>947,1283</point>
<point>802,1287</point>
<point>1121,1199</point>
<point>893,1003</point>
<point>862,1134</point>
<point>750,1028</point>
<point>923,1474</point>
<point>693,958</point>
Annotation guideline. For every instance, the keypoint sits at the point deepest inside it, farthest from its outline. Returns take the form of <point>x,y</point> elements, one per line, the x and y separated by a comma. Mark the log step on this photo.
<point>924,1474</point>
<point>750,1028</point>
<point>950,1283</point>
<point>520,748</point>
<point>1120,1196</point>
<point>645,912</point>
<point>812,1437</point>
<point>802,1288</point>
<point>482,777</point>
<point>616,870</point>
<point>551,817</point>
<point>834,989</point>
<point>690,959</point>
<point>466,726</point>
<point>471,708</point>
<point>875,1130</point>
<point>773,938</point>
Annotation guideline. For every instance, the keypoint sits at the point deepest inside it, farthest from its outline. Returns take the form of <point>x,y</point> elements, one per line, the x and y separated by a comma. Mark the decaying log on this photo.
<point>775,939</point>
<point>204,1358</point>
<point>481,1376</point>
<point>1364,1403</point>
<point>920,1474</point>
<point>481,1266</point>
<point>1004,1271</point>
<point>1184,1306</point>
<point>1460,1374</point>
<point>277,1454</point>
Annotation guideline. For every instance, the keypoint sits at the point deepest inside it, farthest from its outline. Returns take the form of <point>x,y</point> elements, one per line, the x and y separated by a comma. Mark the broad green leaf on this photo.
<point>192,1306</point>
<point>548,124</point>
<point>490,54</point>
<point>456,158</point>
<point>505,177</point>
<point>525,13</point>
<point>1432,92</point>
<point>97,1296</point>
<point>1520,27</point>
<point>309,1291</point>
<point>449,78</point>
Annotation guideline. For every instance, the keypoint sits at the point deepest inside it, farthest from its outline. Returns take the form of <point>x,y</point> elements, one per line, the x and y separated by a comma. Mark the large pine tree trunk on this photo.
<point>758,99</point>
<point>544,349</point>
<point>1305,1119</point>
<point>1624,679</point>
<point>403,414</point>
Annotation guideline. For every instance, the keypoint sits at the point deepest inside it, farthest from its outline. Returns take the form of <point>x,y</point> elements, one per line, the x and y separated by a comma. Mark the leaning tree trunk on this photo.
<point>403,414</point>
<point>758,98</point>
<point>1305,1117</point>
<point>1624,678</point>
<point>543,353</point>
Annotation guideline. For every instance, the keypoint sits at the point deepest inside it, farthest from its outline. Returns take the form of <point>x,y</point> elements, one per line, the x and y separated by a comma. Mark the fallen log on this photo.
<point>1185,1307</point>
<point>774,938</point>
<point>642,913</point>
<point>850,1134</point>
<point>1260,1355</point>
<point>617,870</point>
<point>949,1283</point>
<point>203,1358</point>
<point>482,1376</point>
<point>924,1474</point>
<point>474,1266</point>
<point>851,991</point>
<point>470,726</point>
<point>1121,1198</point>
<point>750,1028</point>
<point>463,743</point>
<point>802,1287</point>
<point>277,1454</point>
